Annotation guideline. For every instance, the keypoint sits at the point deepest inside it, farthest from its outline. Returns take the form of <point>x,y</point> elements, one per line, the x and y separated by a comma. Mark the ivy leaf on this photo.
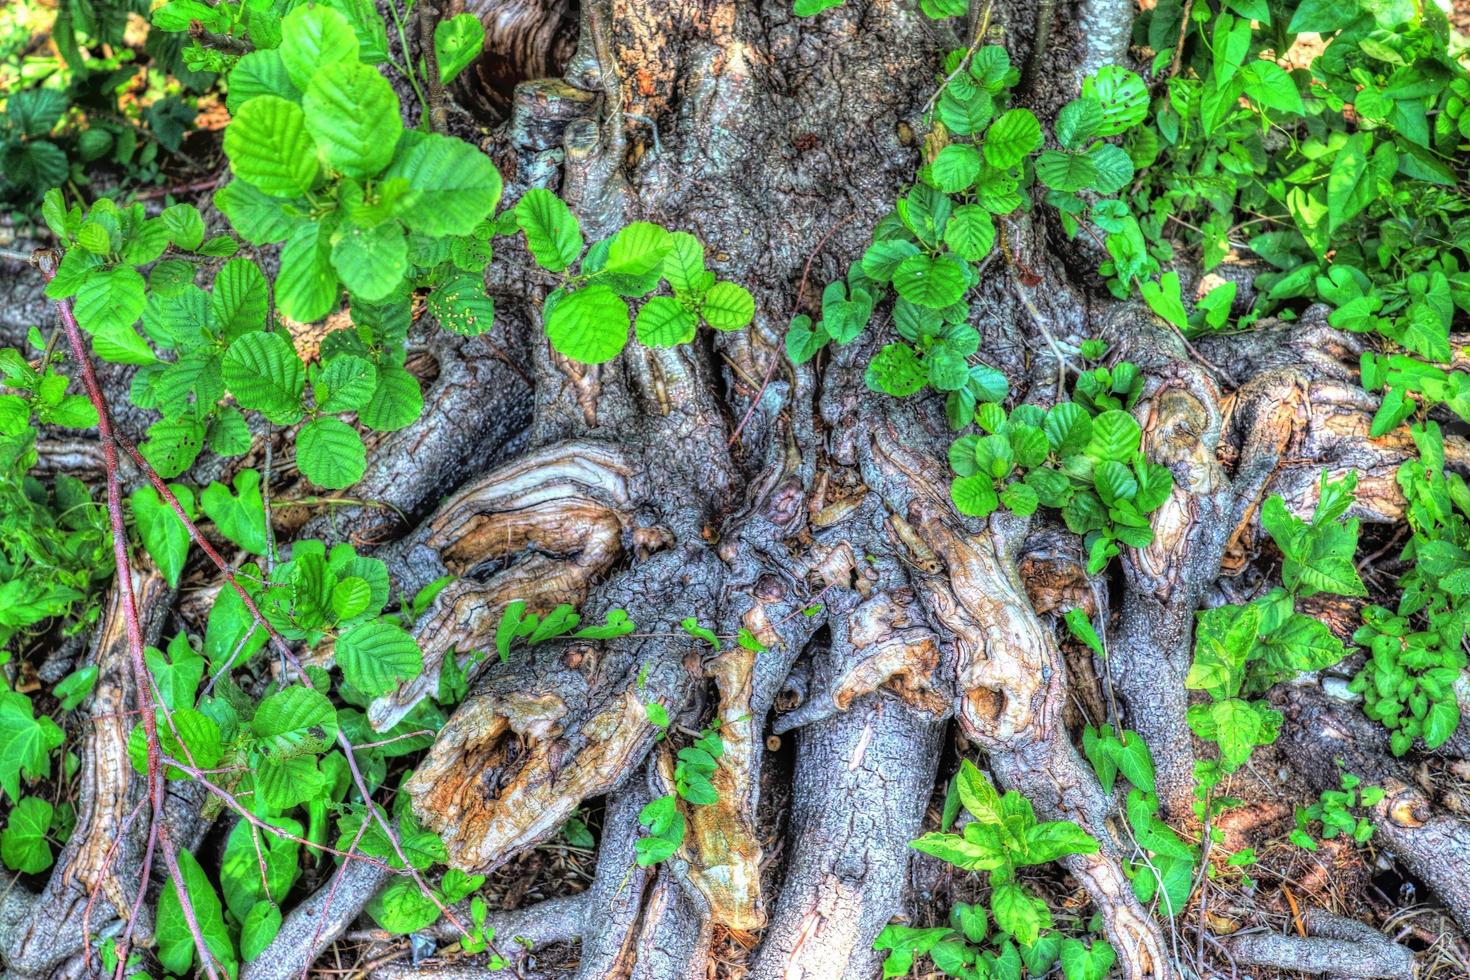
<point>23,844</point>
<point>175,947</point>
<point>376,656</point>
<point>25,742</point>
<point>552,232</point>
<point>263,372</point>
<point>457,42</point>
<point>239,516</point>
<point>330,453</point>
<point>589,325</point>
<point>164,536</point>
<point>352,115</point>
<point>268,145</point>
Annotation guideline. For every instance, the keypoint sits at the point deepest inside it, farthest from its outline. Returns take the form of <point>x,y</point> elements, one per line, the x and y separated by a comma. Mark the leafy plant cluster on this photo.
<point>64,113</point>
<point>1334,812</point>
<point>1000,835</point>
<point>1243,650</point>
<point>1352,170</point>
<point>1082,457</point>
<point>694,769</point>
<point>1416,651</point>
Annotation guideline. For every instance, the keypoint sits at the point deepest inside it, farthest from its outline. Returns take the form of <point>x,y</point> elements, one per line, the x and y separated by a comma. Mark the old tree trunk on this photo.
<point>717,481</point>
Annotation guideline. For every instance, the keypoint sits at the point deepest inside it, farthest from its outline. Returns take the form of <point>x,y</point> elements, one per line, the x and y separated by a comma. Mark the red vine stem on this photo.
<point>46,261</point>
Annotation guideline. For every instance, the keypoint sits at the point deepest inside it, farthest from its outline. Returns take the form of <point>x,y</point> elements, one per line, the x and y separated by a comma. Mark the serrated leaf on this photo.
<point>313,39</point>
<point>1011,138</point>
<point>728,306</point>
<point>376,656</point>
<point>663,322</point>
<point>552,232</point>
<point>371,262</point>
<point>454,186</point>
<point>269,147</point>
<point>295,721</point>
<point>263,372</point>
<point>589,325</point>
<point>345,384</point>
<point>396,403</point>
<point>330,453</point>
<point>352,115</point>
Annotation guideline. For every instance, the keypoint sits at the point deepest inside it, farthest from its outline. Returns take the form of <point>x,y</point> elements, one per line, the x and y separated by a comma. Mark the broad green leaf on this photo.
<point>345,384</point>
<point>589,325</point>
<point>970,233</point>
<point>457,42</point>
<point>1122,95</point>
<point>552,232</point>
<point>461,305</point>
<point>110,299</point>
<point>1018,913</point>
<point>306,286</point>
<point>1115,436</point>
<point>1011,138</point>
<point>295,721</point>
<point>256,216</point>
<point>314,39</point>
<point>956,167</point>
<point>352,115</point>
<point>260,73</point>
<point>934,283</point>
<point>240,300</point>
<point>454,185</point>
<point>23,843</point>
<point>175,947</point>
<point>261,926</point>
<point>330,453</point>
<point>173,445</point>
<point>376,656</point>
<point>396,403</point>
<point>638,249</point>
<point>25,742</point>
<point>371,262</point>
<point>728,306</point>
<point>263,372</point>
<point>269,147</point>
<point>164,536</point>
<point>1064,171</point>
<point>684,265</point>
<point>663,322</point>
<point>239,516</point>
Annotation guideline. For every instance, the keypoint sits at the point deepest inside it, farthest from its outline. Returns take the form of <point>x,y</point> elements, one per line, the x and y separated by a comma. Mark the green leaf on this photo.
<point>330,453</point>
<point>295,721</point>
<point>262,924</point>
<point>346,384</point>
<point>684,265</point>
<point>1224,639</point>
<point>314,39</point>
<point>1018,913</point>
<point>663,322</point>
<point>269,148</point>
<point>352,115</point>
<point>164,536</point>
<point>1321,16</point>
<point>934,283</point>
<point>1122,95</point>
<point>371,262</point>
<point>728,306</point>
<point>185,226</point>
<point>457,42</point>
<point>1115,436</point>
<point>110,299</point>
<point>974,495</point>
<point>1440,722</point>
<point>454,185</point>
<point>175,942</point>
<point>552,232</point>
<point>239,516</point>
<point>25,742</point>
<point>306,286</point>
<point>260,73</point>
<point>970,233</point>
<point>376,656</point>
<point>256,216</point>
<point>589,325</point>
<point>396,403</point>
<point>240,299</point>
<point>263,372</point>
<point>173,445</point>
<point>1011,138</point>
<point>1065,171</point>
<point>461,306</point>
<point>638,249</point>
<point>1163,297</point>
<point>23,844</point>
<point>955,167</point>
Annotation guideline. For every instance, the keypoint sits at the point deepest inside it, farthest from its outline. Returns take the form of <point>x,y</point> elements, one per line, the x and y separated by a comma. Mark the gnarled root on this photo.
<point>1337,946</point>
<point>316,923</point>
<point>96,876</point>
<point>862,782</point>
<point>1318,731</point>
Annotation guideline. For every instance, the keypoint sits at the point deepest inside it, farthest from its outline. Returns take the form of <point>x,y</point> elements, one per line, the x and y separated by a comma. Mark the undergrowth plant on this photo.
<point>1334,811</point>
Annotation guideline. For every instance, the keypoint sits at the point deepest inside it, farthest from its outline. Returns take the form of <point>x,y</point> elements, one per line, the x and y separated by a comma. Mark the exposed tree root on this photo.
<point>95,880</point>
<point>1324,737</point>
<point>317,922</point>
<point>1337,947</point>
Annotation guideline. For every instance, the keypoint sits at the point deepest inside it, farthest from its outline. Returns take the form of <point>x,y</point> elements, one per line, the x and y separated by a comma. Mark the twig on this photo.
<point>227,43</point>
<point>47,261</point>
<point>428,20</point>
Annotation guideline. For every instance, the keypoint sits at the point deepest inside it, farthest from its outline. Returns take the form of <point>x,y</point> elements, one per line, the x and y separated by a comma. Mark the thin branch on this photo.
<point>220,42</point>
